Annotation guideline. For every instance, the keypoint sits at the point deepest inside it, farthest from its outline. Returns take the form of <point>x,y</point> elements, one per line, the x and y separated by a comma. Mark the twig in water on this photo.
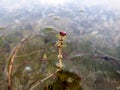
<point>29,53</point>
<point>41,81</point>
<point>11,61</point>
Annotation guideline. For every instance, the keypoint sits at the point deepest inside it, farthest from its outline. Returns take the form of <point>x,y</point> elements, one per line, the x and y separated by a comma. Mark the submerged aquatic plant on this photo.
<point>37,75</point>
<point>60,45</point>
<point>9,67</point>
<point>17,48</point>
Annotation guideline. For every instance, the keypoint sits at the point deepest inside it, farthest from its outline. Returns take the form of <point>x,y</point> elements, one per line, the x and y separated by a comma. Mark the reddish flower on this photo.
<point>63,33</point>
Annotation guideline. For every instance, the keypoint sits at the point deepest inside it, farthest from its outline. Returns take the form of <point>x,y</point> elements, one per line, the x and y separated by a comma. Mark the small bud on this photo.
<point>63,33</point>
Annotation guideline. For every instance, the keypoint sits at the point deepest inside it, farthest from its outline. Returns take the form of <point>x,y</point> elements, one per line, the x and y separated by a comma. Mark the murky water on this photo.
<point>90,54</point>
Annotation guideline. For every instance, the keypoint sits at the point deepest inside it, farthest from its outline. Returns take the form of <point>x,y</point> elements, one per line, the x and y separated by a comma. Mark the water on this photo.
<point>29,31</point>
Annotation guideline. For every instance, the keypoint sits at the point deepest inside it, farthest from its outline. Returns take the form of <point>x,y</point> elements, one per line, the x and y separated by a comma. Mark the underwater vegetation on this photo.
<point>64,47</point>
<point>41,63</point>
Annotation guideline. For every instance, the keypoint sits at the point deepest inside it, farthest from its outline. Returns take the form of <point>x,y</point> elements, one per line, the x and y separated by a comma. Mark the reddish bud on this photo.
<point>63,33</point>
